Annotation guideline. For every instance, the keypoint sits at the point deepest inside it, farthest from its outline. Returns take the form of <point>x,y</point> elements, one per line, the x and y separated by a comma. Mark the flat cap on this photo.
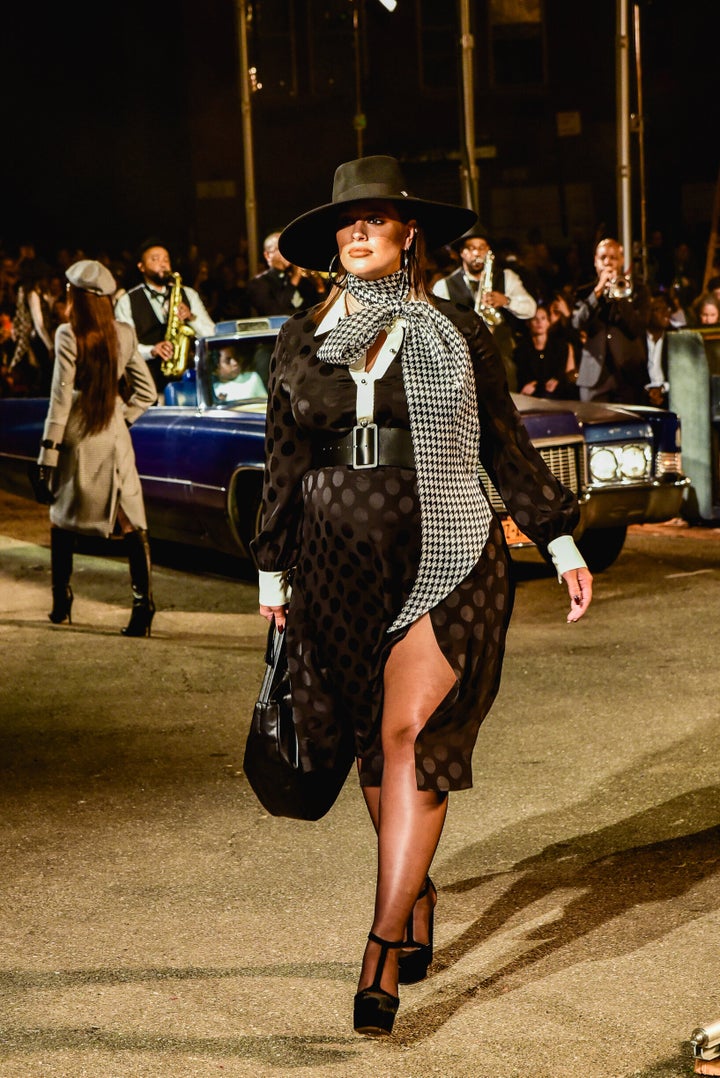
<point>92,276</point>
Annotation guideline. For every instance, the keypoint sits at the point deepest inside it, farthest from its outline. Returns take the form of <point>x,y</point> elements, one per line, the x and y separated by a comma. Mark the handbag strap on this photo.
<point>275,663</point>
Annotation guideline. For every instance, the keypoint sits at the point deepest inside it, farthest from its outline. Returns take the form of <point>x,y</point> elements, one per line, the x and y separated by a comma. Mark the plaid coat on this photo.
<point>97,472</point>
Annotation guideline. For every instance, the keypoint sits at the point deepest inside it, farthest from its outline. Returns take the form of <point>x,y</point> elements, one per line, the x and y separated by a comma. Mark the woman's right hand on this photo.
<point>276,613</point>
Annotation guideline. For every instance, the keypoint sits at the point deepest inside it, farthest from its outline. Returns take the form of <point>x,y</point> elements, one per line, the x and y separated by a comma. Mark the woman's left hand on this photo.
<point>579,585</point>
<point>276,614</point>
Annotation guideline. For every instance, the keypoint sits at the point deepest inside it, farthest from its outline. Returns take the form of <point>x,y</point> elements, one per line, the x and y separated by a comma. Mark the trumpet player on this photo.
<point>499,305</point>
<point>147,308</point>
<point>283,288</point>
<point>613,365</point>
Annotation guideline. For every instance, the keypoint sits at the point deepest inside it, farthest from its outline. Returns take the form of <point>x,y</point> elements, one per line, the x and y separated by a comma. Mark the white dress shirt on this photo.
<point>656,376</point>
<point>520,302</point>
<point>201,323</point>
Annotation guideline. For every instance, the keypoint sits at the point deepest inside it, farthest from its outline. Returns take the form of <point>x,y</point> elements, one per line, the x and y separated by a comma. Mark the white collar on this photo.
<point>365,380</point>
<point>333,315</point>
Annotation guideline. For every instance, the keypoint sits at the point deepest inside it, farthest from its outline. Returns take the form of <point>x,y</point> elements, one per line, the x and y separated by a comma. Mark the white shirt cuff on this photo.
<point>275,589</point>
<point>565,555</point>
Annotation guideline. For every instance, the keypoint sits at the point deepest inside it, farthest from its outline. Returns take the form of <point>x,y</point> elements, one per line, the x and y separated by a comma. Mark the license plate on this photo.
<point>513,535</point>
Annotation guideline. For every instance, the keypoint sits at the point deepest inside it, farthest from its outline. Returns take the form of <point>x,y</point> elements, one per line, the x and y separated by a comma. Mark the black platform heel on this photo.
<point>62,545</point>
<point>413,967</point>
<point>62,606</point>
<point>137,545</point>
<point>141,615</point>
<point>375,1009</point>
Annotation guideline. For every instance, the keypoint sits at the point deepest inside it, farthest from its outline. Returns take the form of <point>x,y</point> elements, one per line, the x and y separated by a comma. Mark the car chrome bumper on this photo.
<point>612,507</point>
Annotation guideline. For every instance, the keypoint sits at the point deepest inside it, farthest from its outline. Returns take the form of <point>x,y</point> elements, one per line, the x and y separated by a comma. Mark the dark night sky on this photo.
<point>96,119</point>
<point>94,128</point>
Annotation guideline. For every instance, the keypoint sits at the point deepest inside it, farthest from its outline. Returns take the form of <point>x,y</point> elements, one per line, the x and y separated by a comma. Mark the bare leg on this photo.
<point>424,905</point>
<point>409,821</point>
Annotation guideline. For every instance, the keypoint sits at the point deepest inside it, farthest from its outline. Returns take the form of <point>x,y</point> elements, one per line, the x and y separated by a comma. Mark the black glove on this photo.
<point>43,480</point>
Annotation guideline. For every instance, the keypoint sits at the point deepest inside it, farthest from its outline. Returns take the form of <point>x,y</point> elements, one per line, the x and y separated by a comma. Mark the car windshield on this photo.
<point>237,368</point>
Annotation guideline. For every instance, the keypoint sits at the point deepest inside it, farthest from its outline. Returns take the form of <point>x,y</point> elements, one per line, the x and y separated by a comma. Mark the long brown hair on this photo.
<point>96,379</point>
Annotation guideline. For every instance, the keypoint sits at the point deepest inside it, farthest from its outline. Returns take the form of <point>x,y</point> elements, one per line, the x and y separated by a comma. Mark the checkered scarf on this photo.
<point>22,330</point>
<point>440,389</point>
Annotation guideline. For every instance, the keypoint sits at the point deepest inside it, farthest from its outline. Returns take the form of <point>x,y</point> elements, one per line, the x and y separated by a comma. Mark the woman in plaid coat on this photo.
<point>87,462</point>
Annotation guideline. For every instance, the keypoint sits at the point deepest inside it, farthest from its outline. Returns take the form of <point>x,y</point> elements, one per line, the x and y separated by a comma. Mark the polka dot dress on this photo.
<point>353,538</point>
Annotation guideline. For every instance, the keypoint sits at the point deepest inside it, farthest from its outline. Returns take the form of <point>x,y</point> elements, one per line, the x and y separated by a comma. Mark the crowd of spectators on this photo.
<point>32,290</point>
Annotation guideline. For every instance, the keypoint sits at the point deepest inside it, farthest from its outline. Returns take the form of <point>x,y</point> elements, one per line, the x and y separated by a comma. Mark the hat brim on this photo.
<point>310,240</point>
<point>478,232</point>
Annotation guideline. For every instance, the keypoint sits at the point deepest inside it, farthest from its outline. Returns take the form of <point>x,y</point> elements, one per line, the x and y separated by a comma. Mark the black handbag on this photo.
<point>272,758</point>
<point>43,481</point>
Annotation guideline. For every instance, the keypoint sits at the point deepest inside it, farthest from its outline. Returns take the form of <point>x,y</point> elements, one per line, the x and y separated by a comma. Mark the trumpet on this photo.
<point>619,288</point>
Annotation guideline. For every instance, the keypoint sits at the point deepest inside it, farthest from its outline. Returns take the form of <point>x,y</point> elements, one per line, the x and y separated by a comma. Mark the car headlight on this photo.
<point>603,464</point>
<point>635,461</point>
<point>620,463</point>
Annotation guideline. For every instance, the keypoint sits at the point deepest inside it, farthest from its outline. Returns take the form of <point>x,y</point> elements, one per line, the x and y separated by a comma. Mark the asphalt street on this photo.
<point>156,922</point>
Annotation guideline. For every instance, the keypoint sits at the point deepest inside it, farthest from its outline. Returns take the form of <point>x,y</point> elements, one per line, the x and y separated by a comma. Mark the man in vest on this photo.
<point>147,308</point>
<point>507,297</point>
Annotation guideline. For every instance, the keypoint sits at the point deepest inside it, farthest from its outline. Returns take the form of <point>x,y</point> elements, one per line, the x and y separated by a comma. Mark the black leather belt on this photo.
<point>367,446</point>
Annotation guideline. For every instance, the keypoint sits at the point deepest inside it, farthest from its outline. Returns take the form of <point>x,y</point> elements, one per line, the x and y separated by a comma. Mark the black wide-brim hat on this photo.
<point>477,232</point>
<point>309,241</point>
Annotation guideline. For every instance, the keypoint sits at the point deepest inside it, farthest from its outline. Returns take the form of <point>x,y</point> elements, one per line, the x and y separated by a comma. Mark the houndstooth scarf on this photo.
<point>440,389</point>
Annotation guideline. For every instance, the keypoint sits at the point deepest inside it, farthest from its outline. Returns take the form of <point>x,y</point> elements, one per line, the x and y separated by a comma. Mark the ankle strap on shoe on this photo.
<point>385,943</point>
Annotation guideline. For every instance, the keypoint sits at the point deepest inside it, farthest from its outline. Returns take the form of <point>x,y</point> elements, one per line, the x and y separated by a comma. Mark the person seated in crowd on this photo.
<point>706,310</point>
<point>658,326</point>
<point>713,286</point>
<point>8,387</point>
<point>234,377</point>
<point>678,315</point>
<point>32,361</point>
<point>545,362</point>
<point>560,312</point>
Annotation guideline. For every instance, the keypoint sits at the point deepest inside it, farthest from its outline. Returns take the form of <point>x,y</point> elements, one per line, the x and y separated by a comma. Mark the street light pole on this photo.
<point>248,156</point>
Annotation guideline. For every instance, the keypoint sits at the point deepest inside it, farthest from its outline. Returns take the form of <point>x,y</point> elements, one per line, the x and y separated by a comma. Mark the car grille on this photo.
<point>566,462</point>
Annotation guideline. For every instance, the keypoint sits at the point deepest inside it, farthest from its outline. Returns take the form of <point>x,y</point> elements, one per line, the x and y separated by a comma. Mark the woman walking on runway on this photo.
<point>382,401</point>
<point>87,462</point>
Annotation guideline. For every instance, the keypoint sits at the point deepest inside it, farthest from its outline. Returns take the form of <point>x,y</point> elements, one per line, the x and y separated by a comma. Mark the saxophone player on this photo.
<point>147,308</point>
<point>499,296</point>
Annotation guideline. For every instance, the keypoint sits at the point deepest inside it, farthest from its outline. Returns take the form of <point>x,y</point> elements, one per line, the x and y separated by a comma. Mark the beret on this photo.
<point>92,276</point>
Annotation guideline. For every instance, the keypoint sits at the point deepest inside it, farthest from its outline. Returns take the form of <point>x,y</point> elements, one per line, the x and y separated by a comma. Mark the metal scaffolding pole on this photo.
<point>622,88</point>
<point>359,119</point>
<point>470,179</point>
<point>640,129</point>
<point>248,155</point>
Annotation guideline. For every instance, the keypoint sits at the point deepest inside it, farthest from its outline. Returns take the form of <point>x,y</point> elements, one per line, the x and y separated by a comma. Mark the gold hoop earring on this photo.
<point>333,272</point>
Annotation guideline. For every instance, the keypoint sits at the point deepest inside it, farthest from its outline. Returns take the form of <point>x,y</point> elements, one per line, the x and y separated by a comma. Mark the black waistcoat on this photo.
<point>147,326</point>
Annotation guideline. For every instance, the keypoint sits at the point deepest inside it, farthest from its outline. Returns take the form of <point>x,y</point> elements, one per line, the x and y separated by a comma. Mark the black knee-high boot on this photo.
<point>143,608</point>
<point>62,544</point>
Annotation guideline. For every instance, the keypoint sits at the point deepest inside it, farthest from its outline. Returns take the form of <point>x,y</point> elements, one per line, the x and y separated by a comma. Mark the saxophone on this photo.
<point>177,332</point>
<point>490,315</point>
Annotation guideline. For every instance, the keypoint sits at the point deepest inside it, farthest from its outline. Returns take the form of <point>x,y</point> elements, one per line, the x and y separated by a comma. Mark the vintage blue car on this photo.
<point>200,454</point>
